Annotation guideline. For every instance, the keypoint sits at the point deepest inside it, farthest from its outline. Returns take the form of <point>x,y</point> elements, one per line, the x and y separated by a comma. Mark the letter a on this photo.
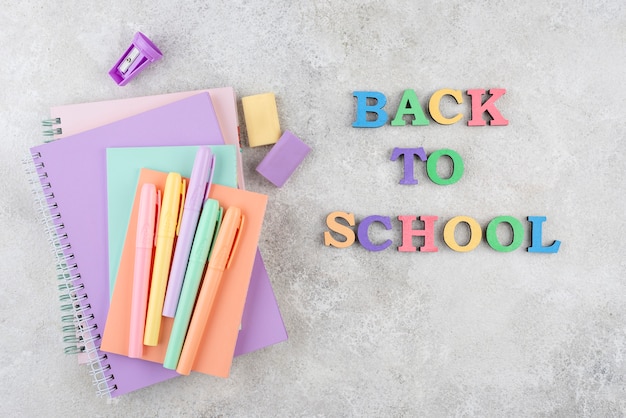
<point>409,105</point>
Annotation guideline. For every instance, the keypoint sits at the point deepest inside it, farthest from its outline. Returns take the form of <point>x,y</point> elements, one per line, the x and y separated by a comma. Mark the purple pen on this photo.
<point>199,183</point>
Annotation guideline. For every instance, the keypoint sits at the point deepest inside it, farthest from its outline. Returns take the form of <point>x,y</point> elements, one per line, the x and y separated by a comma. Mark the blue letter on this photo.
<point>362,109</point>
<point>536,237</point>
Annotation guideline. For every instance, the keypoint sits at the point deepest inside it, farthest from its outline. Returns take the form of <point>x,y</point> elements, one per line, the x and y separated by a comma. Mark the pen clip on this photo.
<point>183,192</point>
<point>158,214</point>
<point>235,242</point>
<point>211,172</point>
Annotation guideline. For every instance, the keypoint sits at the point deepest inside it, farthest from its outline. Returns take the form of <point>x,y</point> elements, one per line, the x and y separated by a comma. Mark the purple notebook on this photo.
<point>72,172</point>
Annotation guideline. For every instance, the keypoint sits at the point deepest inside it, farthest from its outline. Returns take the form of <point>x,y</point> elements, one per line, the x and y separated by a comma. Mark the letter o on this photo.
<point>457,167</point>
<point>475,234</point>
<point>516,227</point>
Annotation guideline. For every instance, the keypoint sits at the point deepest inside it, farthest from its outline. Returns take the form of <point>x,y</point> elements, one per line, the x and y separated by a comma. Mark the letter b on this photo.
<point>362,109</point>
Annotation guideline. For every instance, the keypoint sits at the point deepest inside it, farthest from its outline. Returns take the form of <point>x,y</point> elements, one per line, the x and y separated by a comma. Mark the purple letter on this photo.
<point>408,154</point>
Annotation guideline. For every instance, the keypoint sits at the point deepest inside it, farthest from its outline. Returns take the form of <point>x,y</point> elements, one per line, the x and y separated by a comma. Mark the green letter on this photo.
<point>409,105</point>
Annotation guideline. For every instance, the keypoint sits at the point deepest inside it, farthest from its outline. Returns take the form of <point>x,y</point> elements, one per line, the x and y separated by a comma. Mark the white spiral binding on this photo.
<point>80,335</point>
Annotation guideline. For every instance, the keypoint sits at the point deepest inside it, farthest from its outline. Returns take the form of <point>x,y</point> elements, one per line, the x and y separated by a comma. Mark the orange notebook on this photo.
<point>220,335</point>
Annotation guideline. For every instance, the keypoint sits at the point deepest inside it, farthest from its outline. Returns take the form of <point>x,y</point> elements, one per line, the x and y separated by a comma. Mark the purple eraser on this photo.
<point>282,160</point>
<point>140,53</point>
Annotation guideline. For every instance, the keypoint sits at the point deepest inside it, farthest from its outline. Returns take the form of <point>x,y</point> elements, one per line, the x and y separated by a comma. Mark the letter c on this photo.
<point>364,229</point>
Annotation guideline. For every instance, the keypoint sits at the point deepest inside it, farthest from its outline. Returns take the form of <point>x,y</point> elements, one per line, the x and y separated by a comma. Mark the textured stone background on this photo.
<point>370,334</point>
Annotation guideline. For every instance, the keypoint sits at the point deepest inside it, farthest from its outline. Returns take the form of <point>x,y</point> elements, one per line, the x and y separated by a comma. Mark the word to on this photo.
<point>431,164</point>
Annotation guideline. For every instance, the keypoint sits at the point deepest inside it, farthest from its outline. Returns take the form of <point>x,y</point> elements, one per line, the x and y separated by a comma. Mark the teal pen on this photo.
<point>208,225</point>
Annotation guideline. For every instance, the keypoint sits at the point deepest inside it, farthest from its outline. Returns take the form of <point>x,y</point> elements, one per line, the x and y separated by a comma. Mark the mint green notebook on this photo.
<point>123,165</point>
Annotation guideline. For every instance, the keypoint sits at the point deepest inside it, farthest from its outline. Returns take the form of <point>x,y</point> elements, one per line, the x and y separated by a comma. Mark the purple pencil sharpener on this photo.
<point>137,57</point>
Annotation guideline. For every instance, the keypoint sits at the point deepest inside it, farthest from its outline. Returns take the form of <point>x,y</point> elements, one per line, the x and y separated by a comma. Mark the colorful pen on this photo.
<point>193,204</point>
<point>166,231</point>
<point>220,259</point>
<point>207,226</point>
<point>144,243</point>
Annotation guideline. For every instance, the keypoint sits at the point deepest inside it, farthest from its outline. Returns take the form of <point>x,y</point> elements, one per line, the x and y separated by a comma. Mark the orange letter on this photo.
<point>435,110</point>
<point>475,233</point>
<point>333,225</point>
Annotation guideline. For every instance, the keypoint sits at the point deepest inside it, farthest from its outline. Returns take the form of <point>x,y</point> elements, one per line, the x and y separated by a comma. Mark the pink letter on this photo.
<point>478,108</point>
<point>408,233</point>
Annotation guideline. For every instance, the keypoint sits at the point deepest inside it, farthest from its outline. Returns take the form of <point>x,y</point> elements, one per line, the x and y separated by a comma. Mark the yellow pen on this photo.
<point>168,220</point>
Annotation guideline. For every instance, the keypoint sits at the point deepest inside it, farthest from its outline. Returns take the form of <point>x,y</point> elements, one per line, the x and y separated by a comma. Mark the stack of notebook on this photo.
<point>89,180</point>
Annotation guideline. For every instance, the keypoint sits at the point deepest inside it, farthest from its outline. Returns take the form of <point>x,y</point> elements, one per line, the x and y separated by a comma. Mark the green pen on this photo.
<point>208,225</point>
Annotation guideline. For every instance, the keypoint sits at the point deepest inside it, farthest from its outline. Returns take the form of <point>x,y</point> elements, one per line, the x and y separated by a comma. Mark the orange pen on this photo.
<point>220,259</point>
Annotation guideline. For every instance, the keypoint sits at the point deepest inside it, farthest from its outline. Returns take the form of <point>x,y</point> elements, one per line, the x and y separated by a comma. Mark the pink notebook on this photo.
<point>76,118</point>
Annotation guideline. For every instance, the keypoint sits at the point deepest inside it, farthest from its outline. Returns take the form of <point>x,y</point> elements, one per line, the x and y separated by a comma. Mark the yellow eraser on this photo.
<point>261,117</point>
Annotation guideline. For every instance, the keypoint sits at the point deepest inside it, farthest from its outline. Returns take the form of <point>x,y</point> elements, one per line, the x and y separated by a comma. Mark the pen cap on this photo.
<point>141,52</point>
<point>206,231</point>
<point>168,218</point>
<point>227,239</point>
<point>147,216</point>
<point>199,178</point>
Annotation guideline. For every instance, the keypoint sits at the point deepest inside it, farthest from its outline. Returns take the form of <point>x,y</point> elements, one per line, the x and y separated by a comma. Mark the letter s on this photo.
<point>335,226</point>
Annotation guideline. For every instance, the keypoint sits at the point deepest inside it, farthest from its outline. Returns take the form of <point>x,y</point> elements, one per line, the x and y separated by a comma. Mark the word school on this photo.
<point>341,224</point>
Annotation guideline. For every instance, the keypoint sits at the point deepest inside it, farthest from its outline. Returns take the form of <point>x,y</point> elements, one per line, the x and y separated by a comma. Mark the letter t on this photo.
<point>408,154</point>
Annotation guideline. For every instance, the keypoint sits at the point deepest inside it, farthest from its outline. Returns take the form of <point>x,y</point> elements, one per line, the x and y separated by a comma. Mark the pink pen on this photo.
<point>197,192</point>
<point>144,244</point>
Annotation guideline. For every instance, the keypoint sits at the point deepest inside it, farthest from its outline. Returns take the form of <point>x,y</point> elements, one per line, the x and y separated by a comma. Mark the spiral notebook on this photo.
<point>261,310</point>
<point>72,173</point>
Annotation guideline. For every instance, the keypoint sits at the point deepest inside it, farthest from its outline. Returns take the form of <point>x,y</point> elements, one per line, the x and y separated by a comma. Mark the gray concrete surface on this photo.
<point>370,333</point>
